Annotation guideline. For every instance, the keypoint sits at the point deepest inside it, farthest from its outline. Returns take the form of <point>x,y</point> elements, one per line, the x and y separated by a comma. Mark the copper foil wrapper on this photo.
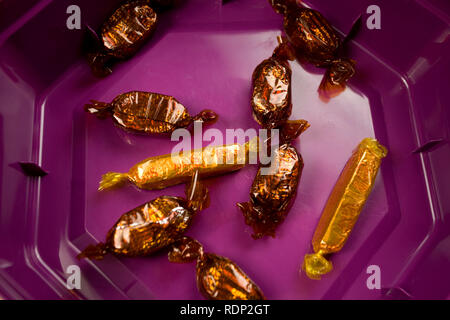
<point>166,170</point>
<point>121,35</point>
<point>153,225</point>
<point>275,187</point>
<point>272,97</point>
<point>127,28</point>
<point>344,205</point>
<point>272,194</point>
<point>218,278</point>
<point>147,113</point>
<point>315,41</point>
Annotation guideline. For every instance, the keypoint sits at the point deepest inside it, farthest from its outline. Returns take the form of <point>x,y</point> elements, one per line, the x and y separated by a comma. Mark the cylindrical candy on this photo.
<point>271,98</point>
<point>273,192</point>
<point>344,205</point>
<point>218,278</point>
<point>153,225</point>
<point>316,41</point>
<point>147,113</point>
<point>166,170</point>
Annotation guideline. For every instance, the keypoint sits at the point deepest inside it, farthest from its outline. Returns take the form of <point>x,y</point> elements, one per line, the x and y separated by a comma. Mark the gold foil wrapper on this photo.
<point>166,170</point>
<point>344,205</point>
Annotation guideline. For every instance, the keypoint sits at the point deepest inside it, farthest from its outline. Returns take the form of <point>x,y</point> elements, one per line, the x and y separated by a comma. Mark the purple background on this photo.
<point>204,54</point>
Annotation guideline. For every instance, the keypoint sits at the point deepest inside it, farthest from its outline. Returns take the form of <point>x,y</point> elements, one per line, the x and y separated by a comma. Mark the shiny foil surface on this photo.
<point>166,170</point>
<point>147,112</point>
<point>271,194</point>
<point>275,186</point>
<point>272,98</point>
<point>317,42</point>
<point>312,36</point>
<point>149,227</point>
<point>344,205</point>
<point>129,26</point>
<point>153,225</point>
<point>218,278</point>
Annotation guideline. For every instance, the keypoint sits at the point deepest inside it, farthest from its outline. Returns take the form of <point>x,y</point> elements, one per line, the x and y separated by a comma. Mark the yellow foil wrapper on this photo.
<point>166,170</point>
<point>344,205</point>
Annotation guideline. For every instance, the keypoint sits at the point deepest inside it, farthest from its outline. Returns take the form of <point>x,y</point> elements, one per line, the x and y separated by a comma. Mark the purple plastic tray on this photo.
<point>204,54</point>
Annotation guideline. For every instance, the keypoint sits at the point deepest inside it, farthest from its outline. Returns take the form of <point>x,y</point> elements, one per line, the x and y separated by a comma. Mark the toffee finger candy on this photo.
<point>153,225</point>
<point>170,169</point>
<point>272,193</point>
<point>344,206</point>
<point>272,98</point>
<point>148,113</point>
<point>218,278</point>
<point>317,42</point>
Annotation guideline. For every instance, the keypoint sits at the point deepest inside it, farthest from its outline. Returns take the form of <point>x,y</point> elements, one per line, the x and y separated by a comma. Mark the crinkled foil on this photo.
<point>127,28</point>
<point>271,194</point>
<point>316,41</point>
<point>344,205</point>
<point>218,278</point>
<point>271,98</point>
<point>153,225</point>
<point>147,112</point>
<point>162,171</point>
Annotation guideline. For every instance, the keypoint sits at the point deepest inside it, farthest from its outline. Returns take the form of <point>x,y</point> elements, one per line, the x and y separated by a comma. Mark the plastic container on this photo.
<point>204,54</point>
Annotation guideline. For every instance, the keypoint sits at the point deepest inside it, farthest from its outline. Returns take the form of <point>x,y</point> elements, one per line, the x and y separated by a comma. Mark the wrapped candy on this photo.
<point>218,278</point>
<point>124,32</point>
<point>153,225</point>
<point>147,113</point>
<point>166,170</point>
<point>271,98</point>
<point>272,193</point>
<point>344,205</point>
<point>316,41</point>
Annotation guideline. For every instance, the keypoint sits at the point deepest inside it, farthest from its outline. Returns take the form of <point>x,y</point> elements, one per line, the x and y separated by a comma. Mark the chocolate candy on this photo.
<point>166,170</point>
<point>344,205</point>
<point>272,193</point>
<point>271,99</point>
<point>315,41</point>
<point>147,113</point>
<point>123,33</point>
<point>153,225</point>
<point>218,278</point>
